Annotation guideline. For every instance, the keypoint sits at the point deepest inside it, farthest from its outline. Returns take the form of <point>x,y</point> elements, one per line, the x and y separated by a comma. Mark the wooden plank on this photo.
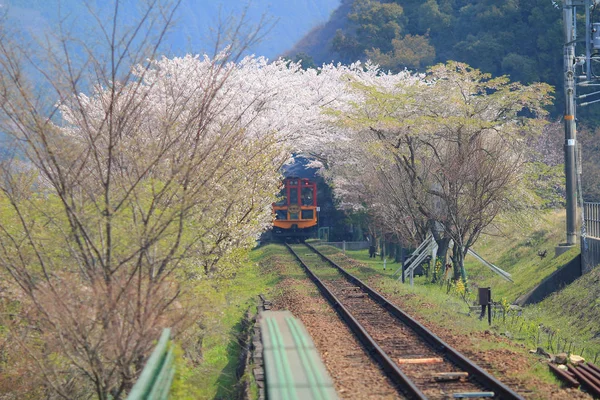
<point>449,376</point>
<point>429,360</point>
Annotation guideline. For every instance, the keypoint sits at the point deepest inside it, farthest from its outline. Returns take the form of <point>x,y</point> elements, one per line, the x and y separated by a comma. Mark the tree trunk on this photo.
<point>442,241</point>
<point>456,261</point>
<point>391,246</point>
<point>463,272</point>
<point>442,252</point>
<point>398,253</point>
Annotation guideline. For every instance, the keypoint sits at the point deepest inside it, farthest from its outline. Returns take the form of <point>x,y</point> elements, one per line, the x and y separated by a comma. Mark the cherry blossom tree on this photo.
<point>451,148</point>
<point>141,173</point>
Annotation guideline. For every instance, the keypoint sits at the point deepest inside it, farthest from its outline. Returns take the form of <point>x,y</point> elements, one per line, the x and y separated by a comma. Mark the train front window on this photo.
<point>293,215</point>
<point>293,195</point>
<point>281,214</point>
<point>307,214</point>
<point>307,196</point>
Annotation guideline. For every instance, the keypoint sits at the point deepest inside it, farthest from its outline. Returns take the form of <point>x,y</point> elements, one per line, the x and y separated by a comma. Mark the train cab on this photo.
<point>295,214</point>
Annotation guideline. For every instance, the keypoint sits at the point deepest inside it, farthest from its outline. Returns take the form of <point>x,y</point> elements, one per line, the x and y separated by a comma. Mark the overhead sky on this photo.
<point>294,18</point>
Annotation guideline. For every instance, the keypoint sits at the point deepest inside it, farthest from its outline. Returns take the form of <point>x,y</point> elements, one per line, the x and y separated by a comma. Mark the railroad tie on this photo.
<point>449,376</point>
<point>427,360</point>
<point>472,395</point>
<point>356,295</point>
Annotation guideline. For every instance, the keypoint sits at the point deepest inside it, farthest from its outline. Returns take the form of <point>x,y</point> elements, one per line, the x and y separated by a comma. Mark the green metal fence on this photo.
<point>155,381</point>
<point>293,368</point>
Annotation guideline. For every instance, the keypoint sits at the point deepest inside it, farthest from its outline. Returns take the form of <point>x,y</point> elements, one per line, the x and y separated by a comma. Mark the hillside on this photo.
<point>520,39</point>
<point>317,42</point>
<point>578,306</point>
<point>571,312</point>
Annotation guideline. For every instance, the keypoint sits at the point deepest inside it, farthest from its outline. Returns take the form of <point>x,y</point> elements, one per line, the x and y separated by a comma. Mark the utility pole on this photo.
<point>572,80</point>
<point>570,146</point>
<point>587,80</point>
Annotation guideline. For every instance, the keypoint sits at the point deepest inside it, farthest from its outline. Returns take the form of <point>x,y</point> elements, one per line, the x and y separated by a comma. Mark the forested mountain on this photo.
<point>519,38</point>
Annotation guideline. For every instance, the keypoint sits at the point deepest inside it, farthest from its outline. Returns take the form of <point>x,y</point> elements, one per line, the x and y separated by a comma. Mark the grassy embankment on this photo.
<point>226,304</point>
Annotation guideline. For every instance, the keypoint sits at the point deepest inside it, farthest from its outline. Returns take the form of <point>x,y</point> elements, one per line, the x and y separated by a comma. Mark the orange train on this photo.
<point>295,214</point>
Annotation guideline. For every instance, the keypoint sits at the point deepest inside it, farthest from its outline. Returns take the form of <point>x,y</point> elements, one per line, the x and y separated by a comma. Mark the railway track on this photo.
<point>423,366</point>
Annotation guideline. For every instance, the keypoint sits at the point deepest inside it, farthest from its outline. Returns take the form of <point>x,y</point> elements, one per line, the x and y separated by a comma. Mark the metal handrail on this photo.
<point>155,381</point>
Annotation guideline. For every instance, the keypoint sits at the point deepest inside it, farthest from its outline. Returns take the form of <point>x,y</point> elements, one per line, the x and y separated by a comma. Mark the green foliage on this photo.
<point>377,24</point>
<point>413,52</point>
<point>305,60</point>
<point>520,68</point>
<point>431,18</point>
<point>577,306</point>
<point>590,149</point>
<point>505,307</point>
<point>374,26</point>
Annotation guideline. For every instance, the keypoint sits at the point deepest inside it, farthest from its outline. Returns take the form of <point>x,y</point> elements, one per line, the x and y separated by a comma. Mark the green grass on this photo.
<point>579,301</point>
<point>571,313</point>
<point>575,312</point>
<point>226,306</point>
<point>517,253</point>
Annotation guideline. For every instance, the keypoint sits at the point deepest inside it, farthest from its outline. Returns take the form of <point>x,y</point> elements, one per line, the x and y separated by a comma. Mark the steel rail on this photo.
<point>483,377</point>
<point>388,365</point>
